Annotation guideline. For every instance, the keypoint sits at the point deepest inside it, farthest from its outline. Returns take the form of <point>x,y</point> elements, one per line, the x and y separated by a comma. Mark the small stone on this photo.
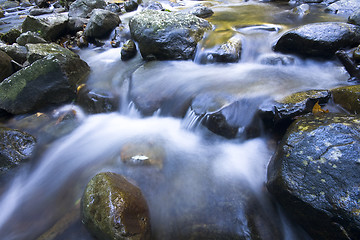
<point>128,50</point>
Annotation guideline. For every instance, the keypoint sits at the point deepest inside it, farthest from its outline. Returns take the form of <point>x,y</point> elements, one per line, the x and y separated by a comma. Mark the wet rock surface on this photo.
<point>15,51</point>
<point>113,208</point>
<point>314,175</point>
<point>83,8</point>
<point>167,35</point>
<point>348,97</point>
<point>29,37</point>
<point>319,39</point>
<point>101,23</point>
<point>16,147</point>
<point>6,68</point>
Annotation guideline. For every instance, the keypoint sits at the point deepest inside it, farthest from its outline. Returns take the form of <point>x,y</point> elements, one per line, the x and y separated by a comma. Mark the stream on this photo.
<point>194,172</point>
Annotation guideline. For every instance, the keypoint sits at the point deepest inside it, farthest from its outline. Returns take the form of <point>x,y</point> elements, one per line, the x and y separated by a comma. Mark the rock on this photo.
<point>153,6</point>
<point>302,10</point>
<point>277,59</point>
<point>93,101</point>
<point>121,35</point>
<point>130,5</point>
<point>343,7</point>
<point>355,18</point>
<point>128,50</point>
<point>48,81</point>
<point>83,8</point>
<point>41,50</point>
<point>228,52</point>
<point>42,3</point>
<point>201,11</point>
<point>113,7</point>
<point>16,147</point>
<point>50,28</point>
<point>9,4</point>
<point>319,39</point>
<point>2,13</point>
<point>29,37</point>
<point>101,23</point>
<point>11,36</point>
<point>113,208</point>
<point>6,68</point>
<point>348,97</point>
<point>77,24</point>
<point>15,51</point>
<point>314,175</point>
<point>40,11</point>
<point>227,115</point>
<point>167,35</point>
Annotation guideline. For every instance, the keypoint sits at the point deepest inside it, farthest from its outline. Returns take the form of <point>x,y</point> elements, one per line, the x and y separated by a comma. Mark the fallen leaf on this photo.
<point>317,110</point>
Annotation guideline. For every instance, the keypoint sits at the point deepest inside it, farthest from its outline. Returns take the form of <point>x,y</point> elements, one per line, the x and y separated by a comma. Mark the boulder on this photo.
<point>9,4</point>
<point>16,147</point>
<point>319,39</point>
<point>76,24</point>
<point>314,175</point>
<point>113,208</point>
<point>130,5</point>
<point>128,50</point>
<point>50,28</point>
<point>101,23</point>
<point>354,18</point>
<point>40,11</point>
<point>201,11</point>
<point>11,36</point>
<point>167,35</point>
<point>15,51</point>
<point>41,50</point>
<point>42,3</point>
<point>83,8</point>
<point>29,37</point>
<point>48,81</point>
<point>348,97</point>
<point>343,7</point>
<point>6,68</point>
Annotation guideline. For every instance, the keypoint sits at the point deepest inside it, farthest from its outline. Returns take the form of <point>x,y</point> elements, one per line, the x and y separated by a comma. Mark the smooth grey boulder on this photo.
<point>314,175</point>
<point>167,35</point>
<point>50,28</point>
<point>101,23</point>
<point>83,8</point>
<point>319,39</point>
<point>48,81</point>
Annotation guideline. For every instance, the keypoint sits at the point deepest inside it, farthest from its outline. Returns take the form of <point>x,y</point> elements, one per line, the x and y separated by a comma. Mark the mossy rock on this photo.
<point>348,97</point>
<point>314,175</point>
<point>11,36</point>
<point>41,50</point>
<point>113,208</point>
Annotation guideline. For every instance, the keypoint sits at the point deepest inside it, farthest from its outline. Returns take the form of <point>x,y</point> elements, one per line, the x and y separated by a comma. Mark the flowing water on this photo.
<point>194,173</point>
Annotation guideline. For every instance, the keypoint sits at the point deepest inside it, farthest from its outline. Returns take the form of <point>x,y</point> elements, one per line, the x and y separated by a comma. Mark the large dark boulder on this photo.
<point>83,8</point>
<point>101,23</point>
<point>10,36</point>
<point>319,39</point>
<point>50,28</point>
<point>48,81</point>
<point>167,35</point>
<point>15,51</point>
<point>15,147</point>
<point>6,68</point>
<point>314,175</point>
<point>113,208</point>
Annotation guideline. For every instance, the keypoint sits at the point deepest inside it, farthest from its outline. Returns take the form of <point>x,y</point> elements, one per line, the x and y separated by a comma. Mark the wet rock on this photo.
<point>50,28</point>
<point>343,7</point>
<point>130,5</point>
<point>228,52</point>
<point>128,50</point>
<point>15,51</point>
<point>9,4</point>
<point>348,97</point>
<point>276,59</point>
<point>227,115</point>
<point>201,11</point>
<point>121,35</point>
<point>319,39</point>
<point>151,5</point>
<point>6,68</point>
<point>355,18</point>
<point>113,7</point>
<point>76,24</point>
<point>40,11</point>
<point>282,112</point>
<point>10,36</point>
<point>167,35</point>
<point>113,208</point>
<point>41,50</point>
<point>101,23</point>
<point>314,175</point>
<point>48,81</point>
<point>83,8</point>
<point>93,101</point>
<point>2,13</point>
<point>29,37</point>
<point>16,147</point>
<point>302,10</point>
<point>42,3</point>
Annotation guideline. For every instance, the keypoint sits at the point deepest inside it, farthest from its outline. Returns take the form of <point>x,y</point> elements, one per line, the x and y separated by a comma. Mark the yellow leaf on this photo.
<point>317,110</point>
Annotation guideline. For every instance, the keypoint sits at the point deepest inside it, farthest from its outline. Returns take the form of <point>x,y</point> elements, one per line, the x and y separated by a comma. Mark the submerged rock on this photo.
<point>167,35</point>
<point>83,8</point>
<point>101,23</point>
<point>6,68</point>
<point>113,208</point>
<point>319,39</point>
<point>50,28</point>
<point>48,81</point>
<point>314,175</point>
<point>15,147</point>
